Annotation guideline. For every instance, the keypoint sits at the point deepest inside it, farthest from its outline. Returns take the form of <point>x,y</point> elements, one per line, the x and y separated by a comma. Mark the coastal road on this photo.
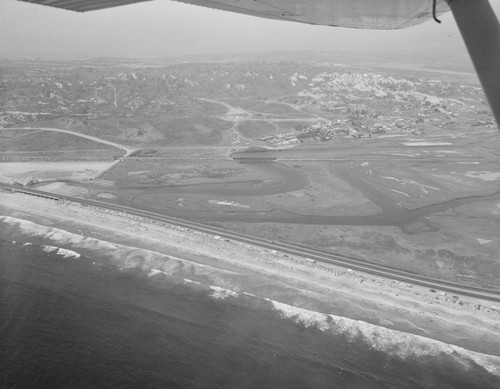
<point>286,248</point>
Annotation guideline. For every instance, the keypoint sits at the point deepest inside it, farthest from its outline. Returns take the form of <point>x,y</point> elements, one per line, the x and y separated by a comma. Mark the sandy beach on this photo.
<point>391,315</point>
<point>25,171</point>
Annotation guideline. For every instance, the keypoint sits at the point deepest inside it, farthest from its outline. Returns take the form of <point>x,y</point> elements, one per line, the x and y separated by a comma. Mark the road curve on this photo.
<point>288,248</point>
<point>128,150</point>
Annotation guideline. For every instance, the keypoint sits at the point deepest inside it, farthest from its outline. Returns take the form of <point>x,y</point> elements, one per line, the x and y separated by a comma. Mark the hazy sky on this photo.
<point>165,28</point>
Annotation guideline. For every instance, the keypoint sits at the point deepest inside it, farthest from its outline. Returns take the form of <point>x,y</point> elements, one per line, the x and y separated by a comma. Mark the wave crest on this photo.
<point>65,253</point>
<point>400,344</point>
<point>392,342</point>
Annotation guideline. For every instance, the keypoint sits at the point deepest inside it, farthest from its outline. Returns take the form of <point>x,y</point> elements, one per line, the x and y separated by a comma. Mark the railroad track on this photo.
<point>287,248</point>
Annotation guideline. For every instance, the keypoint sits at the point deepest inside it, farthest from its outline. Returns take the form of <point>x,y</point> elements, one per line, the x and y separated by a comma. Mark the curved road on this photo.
<point>128,150</point>
<point>352,263</point>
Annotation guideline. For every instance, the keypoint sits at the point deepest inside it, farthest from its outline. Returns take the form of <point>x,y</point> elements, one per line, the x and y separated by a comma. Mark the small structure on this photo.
<point>255,160</point>
<point>255,155</point>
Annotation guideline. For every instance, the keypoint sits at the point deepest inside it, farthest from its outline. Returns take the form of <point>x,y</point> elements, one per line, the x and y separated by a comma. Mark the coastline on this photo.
<point>388,315</point>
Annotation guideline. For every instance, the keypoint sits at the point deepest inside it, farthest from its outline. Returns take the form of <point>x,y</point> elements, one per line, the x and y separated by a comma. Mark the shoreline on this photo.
<point>393,343</point>
<point>132,242</point>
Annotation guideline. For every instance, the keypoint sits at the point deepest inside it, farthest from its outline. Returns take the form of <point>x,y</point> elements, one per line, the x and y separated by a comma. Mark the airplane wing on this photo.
<point>370,14</point>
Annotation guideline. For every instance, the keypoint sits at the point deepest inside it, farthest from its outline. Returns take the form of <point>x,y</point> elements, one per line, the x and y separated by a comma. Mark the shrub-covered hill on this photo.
<point>152,105</point>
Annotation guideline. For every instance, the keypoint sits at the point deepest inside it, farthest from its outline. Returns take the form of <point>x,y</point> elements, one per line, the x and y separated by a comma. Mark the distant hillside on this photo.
<point>196,103</point>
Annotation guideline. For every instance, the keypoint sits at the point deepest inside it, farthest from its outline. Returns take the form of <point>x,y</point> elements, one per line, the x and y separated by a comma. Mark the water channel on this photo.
<point>288,179</point>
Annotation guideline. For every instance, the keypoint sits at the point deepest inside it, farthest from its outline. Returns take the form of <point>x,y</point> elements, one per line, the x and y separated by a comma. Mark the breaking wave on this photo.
<point>396,343</point>
<point>156,264</point>
<point>65,253</point>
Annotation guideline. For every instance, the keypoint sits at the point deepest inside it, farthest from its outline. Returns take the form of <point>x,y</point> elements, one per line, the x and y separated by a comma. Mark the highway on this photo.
<point>286,248</point>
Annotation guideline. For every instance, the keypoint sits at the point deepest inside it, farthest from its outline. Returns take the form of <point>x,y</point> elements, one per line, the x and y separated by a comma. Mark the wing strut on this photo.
<point>480,30</point>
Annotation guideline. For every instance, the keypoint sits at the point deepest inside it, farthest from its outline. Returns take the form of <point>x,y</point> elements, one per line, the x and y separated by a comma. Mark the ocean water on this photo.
<point>69,321</point>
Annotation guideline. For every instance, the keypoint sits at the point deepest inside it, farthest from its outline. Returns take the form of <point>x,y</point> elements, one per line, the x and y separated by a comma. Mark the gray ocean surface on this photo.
<point>72,324</point>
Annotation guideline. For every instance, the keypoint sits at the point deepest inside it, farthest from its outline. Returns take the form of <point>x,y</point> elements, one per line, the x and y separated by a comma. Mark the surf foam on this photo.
<point>392,342</point>
<point>389,341</point>
<point>65,253</point>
